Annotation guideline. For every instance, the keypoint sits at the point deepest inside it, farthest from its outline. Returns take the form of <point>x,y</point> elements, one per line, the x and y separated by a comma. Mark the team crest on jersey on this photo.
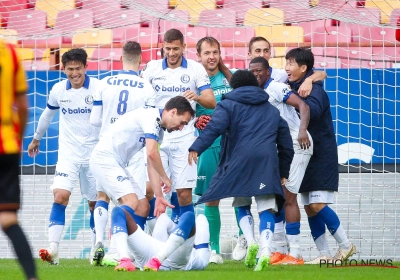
<point>225,82</point>
<point>185,78</point>
<point>89,99</point>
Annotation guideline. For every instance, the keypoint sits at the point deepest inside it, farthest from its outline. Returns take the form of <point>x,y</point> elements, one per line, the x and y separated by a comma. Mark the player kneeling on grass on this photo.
<point>256,153</point>
<point>135,129</point>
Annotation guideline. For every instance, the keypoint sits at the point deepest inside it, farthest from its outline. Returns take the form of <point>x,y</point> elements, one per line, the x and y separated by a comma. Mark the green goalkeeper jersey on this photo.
<point>220,86</point>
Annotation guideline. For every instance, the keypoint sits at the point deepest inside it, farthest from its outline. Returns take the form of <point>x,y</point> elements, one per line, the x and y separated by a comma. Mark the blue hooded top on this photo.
<point>322,172</point>
<point>256,146</point>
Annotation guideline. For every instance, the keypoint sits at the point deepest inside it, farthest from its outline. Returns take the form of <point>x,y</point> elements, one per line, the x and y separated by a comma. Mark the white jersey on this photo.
<point>122,93</point>
<point>278,74</point>
<point>278,94</point>
<point>169,83</point>
<point>128,134</point>
<point>77,137</point>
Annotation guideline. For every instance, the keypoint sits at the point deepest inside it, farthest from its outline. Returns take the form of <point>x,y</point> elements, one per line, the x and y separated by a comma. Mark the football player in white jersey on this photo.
<point>281,96</point>
<point>115,96</point>
<point>130,133</point>
<point>172,76</point>
<point>77,138</point>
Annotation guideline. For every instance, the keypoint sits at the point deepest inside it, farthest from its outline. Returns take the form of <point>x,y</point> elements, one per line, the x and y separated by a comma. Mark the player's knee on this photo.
<point>61,196</point>
<point>7,219</point>
<point>184,197</point>
<point>291,200</point>
<point>103,196</point>
<point>316,207</point>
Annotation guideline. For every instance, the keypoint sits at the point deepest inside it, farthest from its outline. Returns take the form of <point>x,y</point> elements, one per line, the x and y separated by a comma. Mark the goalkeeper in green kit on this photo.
<point>209,54</point>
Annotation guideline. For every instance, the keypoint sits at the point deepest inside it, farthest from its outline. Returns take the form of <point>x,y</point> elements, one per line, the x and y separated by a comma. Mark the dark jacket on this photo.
<point>256,147</point>
<point>322,172</point>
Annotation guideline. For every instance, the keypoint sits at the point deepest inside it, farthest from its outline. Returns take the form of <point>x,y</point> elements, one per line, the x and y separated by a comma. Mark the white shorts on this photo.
<point>115,180</point>
<point>297,170</point>
<point>264,202</point>
<point>68,175</point>
<point>174,156</point>
<point>138,170</point>
<point>327,197</point>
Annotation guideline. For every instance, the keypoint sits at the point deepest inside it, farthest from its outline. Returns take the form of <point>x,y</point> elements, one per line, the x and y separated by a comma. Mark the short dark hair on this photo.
<point>131,51</point>
<point>243,78</point>
<point>210,40</point>
<point>302,56</point>
<point>173,35</point>
<point>77,55</point>
<point>181,104</point>
<point>261,60</point>
<point>257,39</point>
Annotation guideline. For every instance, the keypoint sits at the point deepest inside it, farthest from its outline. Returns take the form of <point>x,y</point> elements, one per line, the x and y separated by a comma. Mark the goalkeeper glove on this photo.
<point>202,121</point>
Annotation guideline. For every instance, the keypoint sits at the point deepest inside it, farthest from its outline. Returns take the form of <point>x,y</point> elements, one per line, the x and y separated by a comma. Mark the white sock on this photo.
<point>100,223</point>
<point>247,225</point>
<point>55,232</point>
<point>280,242</point>
<point>93,238</point>
<point>266,237</point>
<point>322,245</point>
<point>202,235</point>
<point>121,242</point>
<point>150,225</point>
<point>163,228</point>
<point>173,242</point>
<point>341,238</point>
<point>113,247</point>
<point>294,245</point>
<point>54,247</point>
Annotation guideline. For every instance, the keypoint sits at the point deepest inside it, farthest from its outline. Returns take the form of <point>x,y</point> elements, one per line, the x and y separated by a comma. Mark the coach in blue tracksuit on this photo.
<point>321,179</point>
<point>256,153</point>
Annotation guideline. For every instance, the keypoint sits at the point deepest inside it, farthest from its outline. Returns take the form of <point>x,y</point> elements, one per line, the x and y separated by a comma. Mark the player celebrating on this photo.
<point>321,179</point>
<point>115,96</point>
<point>209,53</point>
<point>133,131</point>
<point>283,98</point>
<point>257,151</point>
<point>77,138</point>
<point>171,76</point>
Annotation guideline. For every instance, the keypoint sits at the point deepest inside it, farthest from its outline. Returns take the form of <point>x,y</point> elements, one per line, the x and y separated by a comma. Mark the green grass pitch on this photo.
<point>81,269</point>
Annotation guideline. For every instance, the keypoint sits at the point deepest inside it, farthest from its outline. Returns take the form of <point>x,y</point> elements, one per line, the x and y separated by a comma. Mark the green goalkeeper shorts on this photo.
<point>206,167</point>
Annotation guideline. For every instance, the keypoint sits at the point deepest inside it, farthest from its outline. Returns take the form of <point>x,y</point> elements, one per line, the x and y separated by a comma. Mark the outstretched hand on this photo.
<point>161,205</point>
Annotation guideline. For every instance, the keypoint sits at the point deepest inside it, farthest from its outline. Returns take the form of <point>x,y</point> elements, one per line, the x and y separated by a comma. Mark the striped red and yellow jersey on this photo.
<point>12,83</point>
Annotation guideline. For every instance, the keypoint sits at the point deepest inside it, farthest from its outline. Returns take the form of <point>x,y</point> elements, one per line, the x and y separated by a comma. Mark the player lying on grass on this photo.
<point>182,246</point>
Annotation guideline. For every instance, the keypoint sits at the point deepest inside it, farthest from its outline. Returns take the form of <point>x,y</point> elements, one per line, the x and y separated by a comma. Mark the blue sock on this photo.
<point>187,208</point>
<point>57,215</point>
<point>185,225</point>
<point>281,217</point>
<point>140,221</point>
<point>151,211</point>
<point>243,211</point>
<point>176,210</point>
<point>91,221</point>
<point>330,219</point>
<point>201,246</point>
<point>267,221</point>
<point>118,220</point>
<point>317,226</point>
<point>128,209</point>
<point>101,203</point>
<point>293,228</point>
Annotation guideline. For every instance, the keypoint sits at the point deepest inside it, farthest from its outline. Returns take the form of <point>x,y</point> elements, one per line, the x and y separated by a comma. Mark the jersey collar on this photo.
<point>129,72</point>
<point>85,83</point>
<point>267,83</point>
<point>165,64</point>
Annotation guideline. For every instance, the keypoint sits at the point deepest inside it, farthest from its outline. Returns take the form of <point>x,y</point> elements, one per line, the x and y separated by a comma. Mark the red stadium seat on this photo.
<point>191,34</point>
<point>326,62</point>
<point>336,34</point>
<point>214,18</point>
<point>242,7</point>
<point>7,6</point>
<point>378,34</point>
<point>309,27</point>
<point>143,35</point>
<point>372,64</point>
<point>71,20</point>
<point>27,22</point>
<point>349,52</point>
<point>233,53</point>
<point>115,18</point>
<point>237,34</point>
<point>235,64</point>
<point>163,25</point>
<point>107,54</point>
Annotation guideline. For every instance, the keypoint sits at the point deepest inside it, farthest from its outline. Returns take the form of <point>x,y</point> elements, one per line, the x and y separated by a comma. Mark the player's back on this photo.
<point>122,93</point>
<point>128,134</point>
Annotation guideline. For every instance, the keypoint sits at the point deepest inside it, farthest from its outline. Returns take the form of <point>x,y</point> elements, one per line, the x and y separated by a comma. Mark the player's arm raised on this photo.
<point>306,86</point>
